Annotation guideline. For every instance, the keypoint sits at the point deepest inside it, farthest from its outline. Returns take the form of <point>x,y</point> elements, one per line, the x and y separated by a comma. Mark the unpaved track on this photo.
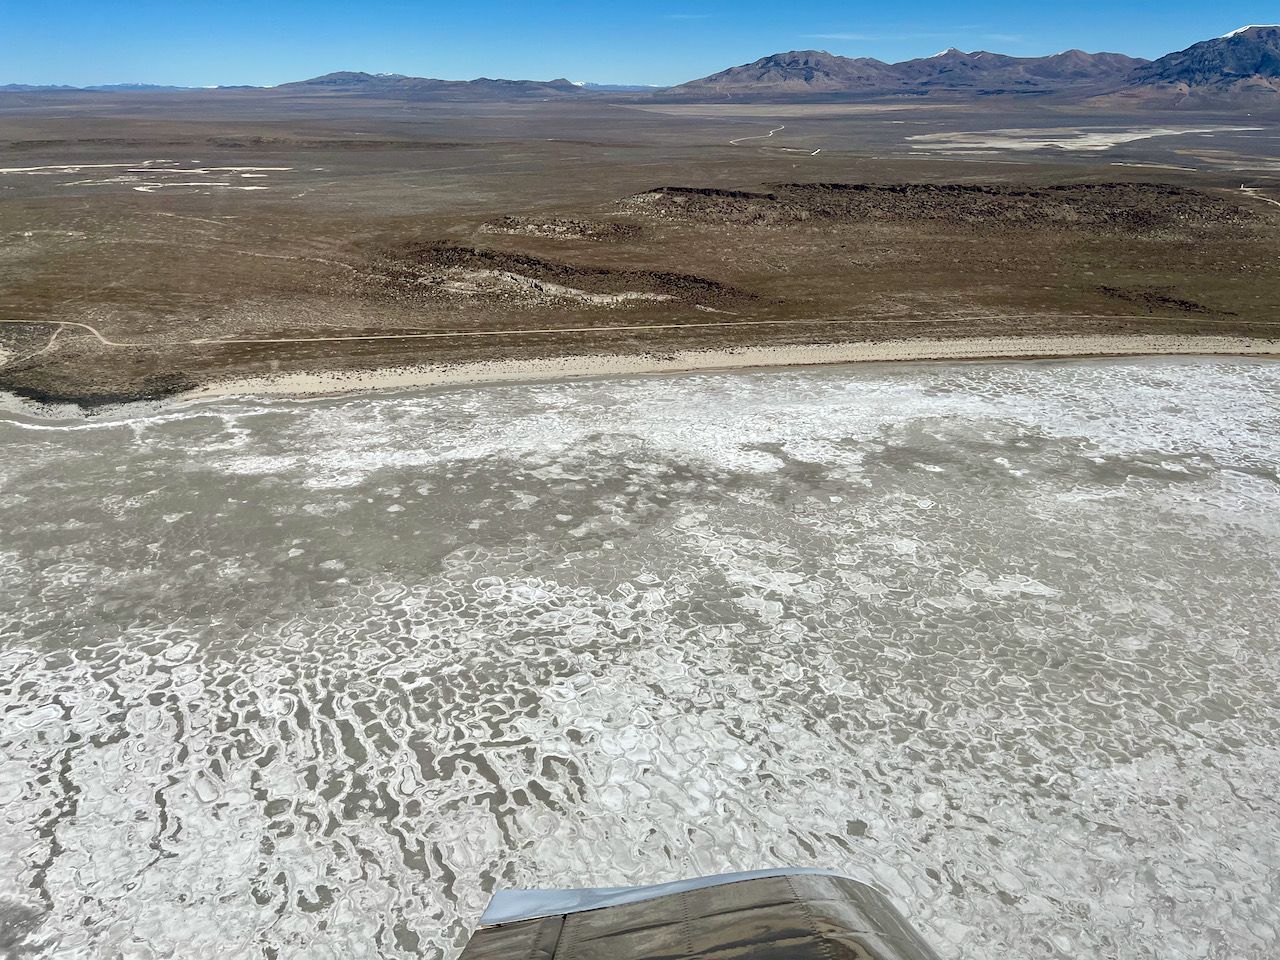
<point>623,327</point>
<point>1256,194</point>
<point>763,136</point>
<point>61,324</point>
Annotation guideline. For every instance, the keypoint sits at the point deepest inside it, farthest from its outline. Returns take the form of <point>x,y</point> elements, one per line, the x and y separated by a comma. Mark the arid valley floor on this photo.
<point>154,244</point>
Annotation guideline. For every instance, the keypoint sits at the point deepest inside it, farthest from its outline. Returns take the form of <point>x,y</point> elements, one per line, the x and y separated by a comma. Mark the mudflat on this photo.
<point>314,677</point>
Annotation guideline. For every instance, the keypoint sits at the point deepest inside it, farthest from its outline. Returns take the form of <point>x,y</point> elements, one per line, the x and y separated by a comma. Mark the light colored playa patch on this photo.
<point>1234,162</point>
<point>75,234</point>
<point>151,174</point>
<point>210,171</point>
<point>479,282</point>
<point>110,181</point>
<point>153,187</point>
<point>1152,166</point>
<point>716,110</point>
<point>1075,139</point>
<point>77,167</point>
<point>965,348</point>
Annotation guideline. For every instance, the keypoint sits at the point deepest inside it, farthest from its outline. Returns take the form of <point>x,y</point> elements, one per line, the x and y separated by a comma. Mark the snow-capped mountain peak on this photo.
<point>1252,26</point>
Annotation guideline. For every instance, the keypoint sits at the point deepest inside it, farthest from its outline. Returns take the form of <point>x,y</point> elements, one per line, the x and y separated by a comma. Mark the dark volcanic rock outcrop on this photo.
<point>561,228</point>
<point>440,268</point>
<point>1159,298</point>
<point>1105,207</point>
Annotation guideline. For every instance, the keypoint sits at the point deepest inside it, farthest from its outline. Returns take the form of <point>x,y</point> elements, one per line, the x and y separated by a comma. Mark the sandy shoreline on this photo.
<point>587,366</point>
<point>740,358</point>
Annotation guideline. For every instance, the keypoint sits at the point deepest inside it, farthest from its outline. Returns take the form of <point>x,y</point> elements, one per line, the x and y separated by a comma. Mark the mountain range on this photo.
<point>1244,62</point>
<point>816,72</point>
<point>1242,66</point>
<point>101,87</point>
<point>398,87</point>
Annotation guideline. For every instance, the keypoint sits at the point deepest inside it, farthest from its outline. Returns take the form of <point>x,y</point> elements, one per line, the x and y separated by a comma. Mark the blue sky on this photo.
<point>234,41</point>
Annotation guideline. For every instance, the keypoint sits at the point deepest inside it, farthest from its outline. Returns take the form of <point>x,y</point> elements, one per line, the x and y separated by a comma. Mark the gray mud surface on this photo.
<point>309,679</point>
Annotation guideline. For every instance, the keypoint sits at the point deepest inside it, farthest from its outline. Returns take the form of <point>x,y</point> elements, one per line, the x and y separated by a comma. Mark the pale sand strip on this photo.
<point>604,365</point>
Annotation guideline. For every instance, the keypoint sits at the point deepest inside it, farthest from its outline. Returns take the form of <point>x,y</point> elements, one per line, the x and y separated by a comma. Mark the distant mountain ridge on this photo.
<point>398,86</point>
<point>622,87</point>
<point>1243,65</point>
<point>1244,62</point>
<point>100,87</point>
<point>817,72</point>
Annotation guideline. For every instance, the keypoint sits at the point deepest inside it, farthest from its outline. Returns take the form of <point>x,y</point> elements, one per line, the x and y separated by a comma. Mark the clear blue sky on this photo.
<point>265,42</point>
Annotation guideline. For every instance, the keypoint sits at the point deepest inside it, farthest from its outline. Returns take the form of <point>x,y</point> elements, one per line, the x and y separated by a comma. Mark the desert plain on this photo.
<point>164,244</point>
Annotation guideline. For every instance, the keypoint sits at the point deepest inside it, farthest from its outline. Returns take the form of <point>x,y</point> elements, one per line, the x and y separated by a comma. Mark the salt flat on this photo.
<point>313,677</point>
<point>1090,139</point>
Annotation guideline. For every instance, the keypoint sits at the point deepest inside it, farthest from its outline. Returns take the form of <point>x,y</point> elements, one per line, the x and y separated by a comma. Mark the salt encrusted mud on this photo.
<point>311,678</point>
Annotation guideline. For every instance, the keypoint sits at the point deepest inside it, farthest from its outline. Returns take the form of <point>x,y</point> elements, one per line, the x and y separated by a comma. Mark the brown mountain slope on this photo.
<point>818,73</point>
<point>1243,65</point>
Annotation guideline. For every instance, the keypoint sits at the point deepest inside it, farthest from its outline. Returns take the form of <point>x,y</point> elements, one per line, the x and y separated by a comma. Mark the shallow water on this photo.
<point>293,680</point>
